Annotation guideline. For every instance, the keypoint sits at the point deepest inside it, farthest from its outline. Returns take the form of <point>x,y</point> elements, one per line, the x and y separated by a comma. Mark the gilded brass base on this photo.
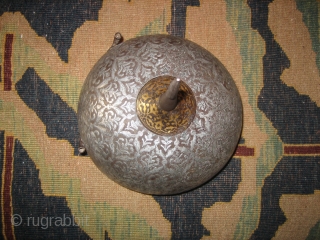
<point>163,122</point>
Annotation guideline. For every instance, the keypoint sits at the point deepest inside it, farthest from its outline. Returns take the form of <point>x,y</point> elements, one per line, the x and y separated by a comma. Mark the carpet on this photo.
<point>269,189</point>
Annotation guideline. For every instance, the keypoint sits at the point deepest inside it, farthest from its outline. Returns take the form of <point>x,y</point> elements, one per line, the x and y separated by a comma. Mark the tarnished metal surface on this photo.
<point>137,158</point>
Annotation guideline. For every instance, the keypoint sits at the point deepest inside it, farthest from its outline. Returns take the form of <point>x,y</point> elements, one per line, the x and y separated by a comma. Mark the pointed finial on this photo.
<point>169,100</point>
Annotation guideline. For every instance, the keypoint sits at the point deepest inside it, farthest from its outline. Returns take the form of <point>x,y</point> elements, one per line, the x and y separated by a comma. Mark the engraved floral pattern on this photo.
<point>141,160</point>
